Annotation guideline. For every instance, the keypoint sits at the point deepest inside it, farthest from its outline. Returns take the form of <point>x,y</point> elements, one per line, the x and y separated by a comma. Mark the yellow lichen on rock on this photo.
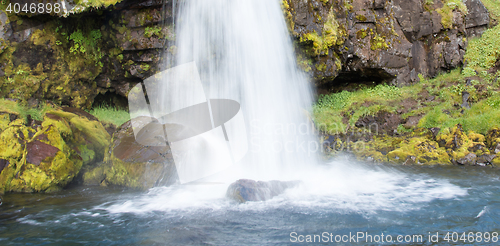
<point>48,156</point>
<point>446,12</point>
<point>424,150</point>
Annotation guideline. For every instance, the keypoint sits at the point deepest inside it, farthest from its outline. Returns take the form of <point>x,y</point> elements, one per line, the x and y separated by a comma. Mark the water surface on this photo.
<point>338,198</point>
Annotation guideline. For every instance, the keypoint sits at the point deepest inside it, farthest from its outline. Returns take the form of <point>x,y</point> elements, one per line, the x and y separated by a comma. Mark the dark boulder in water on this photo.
<point>245,190</point>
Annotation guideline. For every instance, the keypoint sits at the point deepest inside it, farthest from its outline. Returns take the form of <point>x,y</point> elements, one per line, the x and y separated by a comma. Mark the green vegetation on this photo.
<point>336,113</point>
<point>153,31</point>
<point>87,44</point>
<point>332,35</point>
<point>446,11</point>
<point>64,142</point>
<point>378,43</point>
<point>482,53</point>
<point>287,11</point>
<point>334,110</point>
<point>24,111</point>
<point>97,3</point>
<point>110,115</point>
<point>493,7</point>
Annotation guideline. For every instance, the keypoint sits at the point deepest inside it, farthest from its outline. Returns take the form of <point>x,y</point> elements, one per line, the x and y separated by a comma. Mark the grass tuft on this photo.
<point>110,115</point>
<point>24,111</point>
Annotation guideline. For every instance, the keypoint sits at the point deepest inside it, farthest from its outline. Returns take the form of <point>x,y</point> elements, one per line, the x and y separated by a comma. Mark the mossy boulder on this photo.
<point>45,156</point>
<point>493,140</point>
<point>131,164</point>
<point>461,146</point>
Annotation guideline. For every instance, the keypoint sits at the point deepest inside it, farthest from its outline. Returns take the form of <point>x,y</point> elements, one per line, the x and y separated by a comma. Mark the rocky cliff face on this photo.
<point>93,54</point>
<point>382,40</point>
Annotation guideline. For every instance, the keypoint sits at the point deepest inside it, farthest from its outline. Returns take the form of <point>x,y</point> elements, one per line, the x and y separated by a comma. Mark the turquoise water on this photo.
<point>424,200</point>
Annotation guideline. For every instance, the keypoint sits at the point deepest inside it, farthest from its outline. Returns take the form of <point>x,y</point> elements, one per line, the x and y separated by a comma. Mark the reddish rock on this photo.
<point>38,151</point>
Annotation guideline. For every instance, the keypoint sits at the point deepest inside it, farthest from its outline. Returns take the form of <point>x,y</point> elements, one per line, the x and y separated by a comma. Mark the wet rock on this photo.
<point>245,190</point>
<point>485,159</point>
<point>131,164</point>
<point>129,29</point>
<point>3,163</point>
<point>410,160</point>
<point>469,160</point>
<point>435,131</point>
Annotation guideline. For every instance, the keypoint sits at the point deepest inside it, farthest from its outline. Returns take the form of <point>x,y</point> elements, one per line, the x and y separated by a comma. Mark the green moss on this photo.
<point>24,111</point>
<point>52,174</point>
<point>153,31</point>
<point>87,44</point>
<point>287,11</point>
<point>424,150</point>
<point>321,67</point>
<point>78,140</point>
<point>378,42</point>
<point>446,11</point>
<point>339,111</point>
<point>332,35</point>
<point>67,74</point>
<point>304,63</point>
<point>128,174</point>
<point>97,3</point>
<point>361,34</point>
<point>361,18</point>
<point>96,175</point>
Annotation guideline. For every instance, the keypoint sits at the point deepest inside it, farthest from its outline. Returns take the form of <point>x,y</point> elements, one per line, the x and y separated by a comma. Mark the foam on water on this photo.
<point>338,185</point>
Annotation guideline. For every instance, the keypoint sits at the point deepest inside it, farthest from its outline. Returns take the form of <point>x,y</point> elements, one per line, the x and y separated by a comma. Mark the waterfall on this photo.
<point>243,52</point>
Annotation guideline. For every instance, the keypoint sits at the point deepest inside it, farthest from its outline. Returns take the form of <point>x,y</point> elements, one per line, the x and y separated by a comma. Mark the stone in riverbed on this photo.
<point>245,190</point>
<point>485,159</point>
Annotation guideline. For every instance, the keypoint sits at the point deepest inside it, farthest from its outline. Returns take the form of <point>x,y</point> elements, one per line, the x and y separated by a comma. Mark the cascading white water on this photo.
<point>244,53</point>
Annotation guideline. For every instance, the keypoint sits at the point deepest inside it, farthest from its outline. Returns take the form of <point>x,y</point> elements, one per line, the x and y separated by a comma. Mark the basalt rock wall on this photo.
<point>95,54</point>
<point>382,40</point>
<point>90,54</point>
